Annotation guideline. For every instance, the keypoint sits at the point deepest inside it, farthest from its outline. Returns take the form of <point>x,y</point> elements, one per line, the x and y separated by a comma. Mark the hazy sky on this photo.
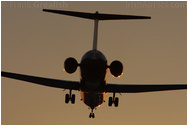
<point>152,52</point>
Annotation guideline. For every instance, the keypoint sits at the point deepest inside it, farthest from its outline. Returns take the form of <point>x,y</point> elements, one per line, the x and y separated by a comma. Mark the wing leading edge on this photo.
<point>117,88</point>
<point>43,81</point>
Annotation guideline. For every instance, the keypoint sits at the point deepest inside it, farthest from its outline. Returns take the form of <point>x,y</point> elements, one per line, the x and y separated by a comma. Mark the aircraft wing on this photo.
<point>130,88</point>
<point>43,81</point>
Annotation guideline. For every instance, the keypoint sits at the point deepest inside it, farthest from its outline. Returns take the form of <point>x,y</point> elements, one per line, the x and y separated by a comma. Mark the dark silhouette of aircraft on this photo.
<point>93,68</point>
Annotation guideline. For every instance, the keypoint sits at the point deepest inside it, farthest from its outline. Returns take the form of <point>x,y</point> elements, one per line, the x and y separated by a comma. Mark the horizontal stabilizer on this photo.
<point>96,16</point>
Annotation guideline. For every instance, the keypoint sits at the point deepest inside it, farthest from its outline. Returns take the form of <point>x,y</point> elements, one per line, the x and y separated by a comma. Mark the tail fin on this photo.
<point>97,16</point>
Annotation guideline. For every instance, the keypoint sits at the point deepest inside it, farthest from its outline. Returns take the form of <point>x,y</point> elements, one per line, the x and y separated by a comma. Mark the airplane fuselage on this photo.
<point>93,68</point>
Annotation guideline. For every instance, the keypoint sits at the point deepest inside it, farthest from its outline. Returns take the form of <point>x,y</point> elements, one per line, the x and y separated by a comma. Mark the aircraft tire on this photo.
<point>110,101</point>
<point>93,115</point>
<point>67,98</point>
<point>116,102</point>
<point>73,99</point>
<point>90,115</point>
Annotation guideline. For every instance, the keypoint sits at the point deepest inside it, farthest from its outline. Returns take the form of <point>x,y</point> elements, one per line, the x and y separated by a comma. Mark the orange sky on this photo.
<point>152,52</point>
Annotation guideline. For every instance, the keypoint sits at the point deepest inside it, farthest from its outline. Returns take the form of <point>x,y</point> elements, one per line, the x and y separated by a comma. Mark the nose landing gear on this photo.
<point>70,97</point>
<point>114,100</point>
<point>91,115</point>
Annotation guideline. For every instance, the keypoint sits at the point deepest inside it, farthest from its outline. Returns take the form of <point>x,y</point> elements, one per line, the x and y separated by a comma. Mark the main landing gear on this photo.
<point>91,115</point>
<point>70,97</point>
<point>114,100</point>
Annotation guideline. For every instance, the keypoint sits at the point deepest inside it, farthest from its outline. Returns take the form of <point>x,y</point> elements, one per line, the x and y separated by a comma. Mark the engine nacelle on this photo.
<point>70,65</point>
<point>116,68</point>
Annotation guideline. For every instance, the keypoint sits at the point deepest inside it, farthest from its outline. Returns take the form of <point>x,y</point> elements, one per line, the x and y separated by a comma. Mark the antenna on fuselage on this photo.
<point>96,17</point>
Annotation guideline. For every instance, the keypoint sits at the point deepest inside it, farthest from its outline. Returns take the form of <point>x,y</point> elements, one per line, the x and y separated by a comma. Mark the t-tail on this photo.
<point>96,17</point>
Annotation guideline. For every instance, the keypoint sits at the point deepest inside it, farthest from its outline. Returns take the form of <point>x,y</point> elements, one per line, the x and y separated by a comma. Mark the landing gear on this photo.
<point>91,115</point>
<point>114,100</point>
<point>70,97</point>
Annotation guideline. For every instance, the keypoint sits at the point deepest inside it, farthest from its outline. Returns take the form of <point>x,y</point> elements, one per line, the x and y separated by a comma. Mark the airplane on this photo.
<point>93,70</point>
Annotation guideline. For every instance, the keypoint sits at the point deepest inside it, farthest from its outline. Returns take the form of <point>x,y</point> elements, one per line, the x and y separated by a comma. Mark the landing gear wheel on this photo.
<point>70,97</point>
<point>116,102</point>
<point>73,99</point>
<point>90,115</point>
<point>93,115</point>
<point>110,101</point>
<point>67,98</point>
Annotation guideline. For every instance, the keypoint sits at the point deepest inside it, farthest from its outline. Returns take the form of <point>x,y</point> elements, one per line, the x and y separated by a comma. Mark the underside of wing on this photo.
<point>128,88</point>
<point>43,81</point>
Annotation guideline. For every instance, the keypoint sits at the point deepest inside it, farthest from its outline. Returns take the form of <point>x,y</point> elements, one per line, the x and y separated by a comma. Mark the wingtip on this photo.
<point>47,10</point>
<point>148,17</point>
<point>44,9</point>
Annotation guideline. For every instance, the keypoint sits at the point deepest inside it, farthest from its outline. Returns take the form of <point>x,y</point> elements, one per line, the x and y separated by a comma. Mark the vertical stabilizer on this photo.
<point>95,34</point>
